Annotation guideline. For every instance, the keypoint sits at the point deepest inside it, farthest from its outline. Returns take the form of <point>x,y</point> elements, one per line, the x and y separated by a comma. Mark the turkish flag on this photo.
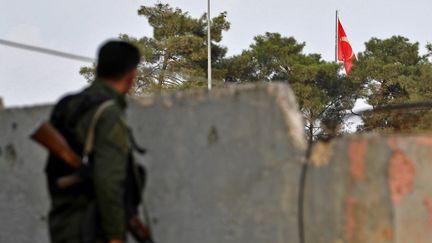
<point>345,52</point>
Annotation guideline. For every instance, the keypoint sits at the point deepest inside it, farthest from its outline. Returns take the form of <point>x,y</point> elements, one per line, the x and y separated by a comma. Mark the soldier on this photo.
<point>95,206</point>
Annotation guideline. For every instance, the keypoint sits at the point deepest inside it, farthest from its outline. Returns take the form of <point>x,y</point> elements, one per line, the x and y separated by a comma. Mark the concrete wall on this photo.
<point>23,196</point>
<point>370,189</point>
<point>224,167</point>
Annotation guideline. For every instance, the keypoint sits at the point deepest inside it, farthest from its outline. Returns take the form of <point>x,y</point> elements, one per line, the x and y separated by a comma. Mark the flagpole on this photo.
<point>336,36</point>
<point>209,71</point>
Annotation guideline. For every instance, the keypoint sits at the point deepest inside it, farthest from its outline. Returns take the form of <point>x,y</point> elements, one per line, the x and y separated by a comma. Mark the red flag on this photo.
<point>345,52</point>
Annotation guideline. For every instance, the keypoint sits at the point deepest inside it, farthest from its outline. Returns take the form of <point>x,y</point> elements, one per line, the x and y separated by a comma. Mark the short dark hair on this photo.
<point>116,58</point>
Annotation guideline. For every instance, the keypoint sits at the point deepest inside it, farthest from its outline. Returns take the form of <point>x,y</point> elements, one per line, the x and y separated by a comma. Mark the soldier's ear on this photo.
<point>132,75</point>
<point>135,73</point>
<point>130,79</point>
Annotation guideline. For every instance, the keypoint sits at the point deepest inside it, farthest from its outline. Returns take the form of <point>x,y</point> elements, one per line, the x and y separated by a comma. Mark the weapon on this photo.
<point>47,136</point>
<point>140,232</point>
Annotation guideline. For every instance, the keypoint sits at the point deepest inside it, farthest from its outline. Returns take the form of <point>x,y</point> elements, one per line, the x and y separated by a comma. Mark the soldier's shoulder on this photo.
<point>66,100</point>
<point>112,115</point>
<point>113,109</point>
<point>63,107</point>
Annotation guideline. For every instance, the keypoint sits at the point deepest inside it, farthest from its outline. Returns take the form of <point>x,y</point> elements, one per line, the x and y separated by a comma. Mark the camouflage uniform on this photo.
<point>72,116</point>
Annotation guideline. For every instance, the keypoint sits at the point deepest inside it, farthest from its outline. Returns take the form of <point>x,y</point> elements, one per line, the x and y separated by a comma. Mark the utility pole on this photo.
<point>209,71</point>
<point>336,35</point>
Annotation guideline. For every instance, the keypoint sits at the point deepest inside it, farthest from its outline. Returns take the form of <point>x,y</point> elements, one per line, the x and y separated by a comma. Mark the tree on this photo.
<point>393,72</point>
<point>322,92</point>
<point>176,54</point>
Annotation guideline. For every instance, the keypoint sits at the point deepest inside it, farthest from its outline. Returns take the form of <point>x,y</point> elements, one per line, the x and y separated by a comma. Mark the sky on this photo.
<point>80,26</point>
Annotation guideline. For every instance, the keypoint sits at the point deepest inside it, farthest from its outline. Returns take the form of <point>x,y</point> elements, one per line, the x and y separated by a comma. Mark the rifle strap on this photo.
<point>88,146</point>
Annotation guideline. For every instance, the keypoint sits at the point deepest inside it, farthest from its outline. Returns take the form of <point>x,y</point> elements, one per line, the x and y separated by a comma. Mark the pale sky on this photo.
<point>79,27</point>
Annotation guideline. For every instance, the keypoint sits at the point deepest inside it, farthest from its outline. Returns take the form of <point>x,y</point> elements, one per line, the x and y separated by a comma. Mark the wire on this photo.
<point>301,193</point>
<point>392,107</point>
<point>46,51</point>
<point>405,106</point>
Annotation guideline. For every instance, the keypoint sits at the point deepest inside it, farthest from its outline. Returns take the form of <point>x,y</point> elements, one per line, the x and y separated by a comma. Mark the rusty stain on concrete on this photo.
<point>387,233</point>
<point>428,205</point>
<point>357,154</point>
<point>401,174</point>
<point>322,153</point>
<point>424,140</point>
<point>392,142</point>
<point>350,224</point>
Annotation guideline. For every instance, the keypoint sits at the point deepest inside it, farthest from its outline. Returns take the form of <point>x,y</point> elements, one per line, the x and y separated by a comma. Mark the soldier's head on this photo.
<point>117,64</point>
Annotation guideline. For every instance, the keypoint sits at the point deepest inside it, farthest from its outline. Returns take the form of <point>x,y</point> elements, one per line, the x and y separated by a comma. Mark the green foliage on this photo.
<point>177,51</point>
<point>393,72</point>
<point>88,73</point>
<point>322,92</point>
<point>389,71</point>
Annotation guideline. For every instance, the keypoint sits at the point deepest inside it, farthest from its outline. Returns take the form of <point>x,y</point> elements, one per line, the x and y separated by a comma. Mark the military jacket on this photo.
<point>111,148</point>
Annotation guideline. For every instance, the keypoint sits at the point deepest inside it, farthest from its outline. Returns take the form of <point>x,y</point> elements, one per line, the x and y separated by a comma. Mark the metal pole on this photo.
<point>336,36</point>
<point>209,71</point>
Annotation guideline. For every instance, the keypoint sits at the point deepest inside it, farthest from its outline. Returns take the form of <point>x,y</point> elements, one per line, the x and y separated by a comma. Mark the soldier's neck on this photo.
<point>117,85</point>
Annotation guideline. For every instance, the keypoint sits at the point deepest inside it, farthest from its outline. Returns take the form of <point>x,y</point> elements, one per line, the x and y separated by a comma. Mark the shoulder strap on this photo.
<point>88,145</point>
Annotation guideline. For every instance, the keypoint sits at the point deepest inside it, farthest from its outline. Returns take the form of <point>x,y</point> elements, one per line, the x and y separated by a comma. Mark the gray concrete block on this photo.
<point>224,166</point>
<point>370,189</point>
<point>23,195</point>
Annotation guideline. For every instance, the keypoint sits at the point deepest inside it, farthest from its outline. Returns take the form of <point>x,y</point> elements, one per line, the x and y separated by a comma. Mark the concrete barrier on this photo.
<point>370,189</point>
<point>224,166</point>
<point>23,195</point>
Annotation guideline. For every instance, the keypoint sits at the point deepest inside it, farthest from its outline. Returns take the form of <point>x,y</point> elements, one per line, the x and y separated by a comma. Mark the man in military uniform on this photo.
<point>115,74</point>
